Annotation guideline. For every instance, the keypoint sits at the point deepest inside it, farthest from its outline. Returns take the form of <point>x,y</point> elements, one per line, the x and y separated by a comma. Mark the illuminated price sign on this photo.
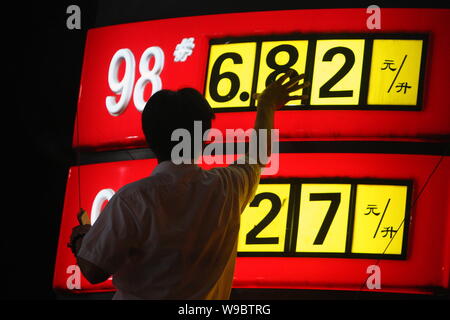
<point>356,72</point>
<point>340,218</point>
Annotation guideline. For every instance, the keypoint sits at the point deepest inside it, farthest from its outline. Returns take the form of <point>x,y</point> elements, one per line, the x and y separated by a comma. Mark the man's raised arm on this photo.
<point>275,96</point>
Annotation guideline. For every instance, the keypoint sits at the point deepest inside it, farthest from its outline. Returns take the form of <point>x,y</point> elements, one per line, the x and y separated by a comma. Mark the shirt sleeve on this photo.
<point>111,237</point>
<point>245,175</point>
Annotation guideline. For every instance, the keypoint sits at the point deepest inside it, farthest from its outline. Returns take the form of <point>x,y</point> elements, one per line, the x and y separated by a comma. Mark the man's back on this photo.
<point>173,235</point>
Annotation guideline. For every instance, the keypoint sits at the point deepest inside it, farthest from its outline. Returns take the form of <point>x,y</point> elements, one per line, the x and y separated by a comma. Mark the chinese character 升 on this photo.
<point>388,230</point>
<point>402,85</point>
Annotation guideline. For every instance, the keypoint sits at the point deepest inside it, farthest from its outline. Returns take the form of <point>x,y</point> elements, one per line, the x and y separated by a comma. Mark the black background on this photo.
<point>43,63</point>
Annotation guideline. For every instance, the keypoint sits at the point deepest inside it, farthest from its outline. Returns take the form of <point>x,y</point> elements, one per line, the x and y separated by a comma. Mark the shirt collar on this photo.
<point>170,167</point>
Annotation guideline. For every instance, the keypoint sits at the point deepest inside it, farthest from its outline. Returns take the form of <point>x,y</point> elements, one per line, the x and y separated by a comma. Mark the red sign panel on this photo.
<point>345,214</point>
<point>415,186</point>
<point>124,64</point>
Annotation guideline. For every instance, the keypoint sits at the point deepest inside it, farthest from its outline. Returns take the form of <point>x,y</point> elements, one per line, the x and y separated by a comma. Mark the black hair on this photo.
<point>168,110</point>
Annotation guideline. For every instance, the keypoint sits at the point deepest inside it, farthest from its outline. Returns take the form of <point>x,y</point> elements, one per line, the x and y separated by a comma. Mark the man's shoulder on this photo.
<point>237,168</point>
<point>144,185</point>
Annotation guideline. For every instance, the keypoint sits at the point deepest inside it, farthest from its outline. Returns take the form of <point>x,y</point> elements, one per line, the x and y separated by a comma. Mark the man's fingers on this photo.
<point>294,80</point>
<point>297,97</point>
<point>288,74</point>
<point>299,86</point>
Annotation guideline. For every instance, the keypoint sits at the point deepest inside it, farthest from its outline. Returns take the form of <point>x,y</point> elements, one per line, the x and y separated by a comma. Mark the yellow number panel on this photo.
<point>350,219</point>
<point>353,72</point>
<point>230,75</point>
<point>323,218</point>
<point>264,220</point>
<point>279,56</point>
<point>395,72</point>
<point>337,72</point>
<point>379,225</point>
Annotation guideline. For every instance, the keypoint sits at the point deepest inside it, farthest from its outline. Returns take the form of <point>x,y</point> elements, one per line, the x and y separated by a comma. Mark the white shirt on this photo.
<point>173,235</point>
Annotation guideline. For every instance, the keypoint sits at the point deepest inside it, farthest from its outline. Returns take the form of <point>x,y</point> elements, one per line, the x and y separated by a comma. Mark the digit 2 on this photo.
<point>325,90</point>
<point>252,235</point>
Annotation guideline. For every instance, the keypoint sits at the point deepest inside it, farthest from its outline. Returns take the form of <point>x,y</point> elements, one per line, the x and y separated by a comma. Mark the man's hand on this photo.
<point>277,94</point>
<point>90,271</point>
<point>76,237</point>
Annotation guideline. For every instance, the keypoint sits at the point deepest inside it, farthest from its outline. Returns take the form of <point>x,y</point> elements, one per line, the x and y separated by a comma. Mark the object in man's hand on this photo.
<point>83,217</point>
<point>76,237</point>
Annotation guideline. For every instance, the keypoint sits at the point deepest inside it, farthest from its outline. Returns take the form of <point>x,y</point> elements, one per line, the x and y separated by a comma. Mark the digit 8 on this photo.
<point>152,75</point>
<point>279,69</point>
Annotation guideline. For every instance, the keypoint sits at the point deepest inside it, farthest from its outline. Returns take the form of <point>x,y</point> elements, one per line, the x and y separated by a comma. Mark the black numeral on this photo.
<point>216,77</point>
<point>335,199</point>
<point>279,69</point>
<point>252,236</point>
<point>325,90</point>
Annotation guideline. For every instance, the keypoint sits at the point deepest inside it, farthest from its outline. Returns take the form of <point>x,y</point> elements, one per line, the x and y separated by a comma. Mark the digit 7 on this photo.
<point>335,199</point>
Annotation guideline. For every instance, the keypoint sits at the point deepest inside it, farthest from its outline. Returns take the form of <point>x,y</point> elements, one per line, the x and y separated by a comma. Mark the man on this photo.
<point>173,235</point>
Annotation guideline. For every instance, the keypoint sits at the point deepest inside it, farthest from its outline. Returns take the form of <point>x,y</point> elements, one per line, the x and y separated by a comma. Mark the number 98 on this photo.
<point>124,87</point>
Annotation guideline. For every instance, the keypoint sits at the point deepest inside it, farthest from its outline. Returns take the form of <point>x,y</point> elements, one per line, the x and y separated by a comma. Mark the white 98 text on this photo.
<point>125,86</point>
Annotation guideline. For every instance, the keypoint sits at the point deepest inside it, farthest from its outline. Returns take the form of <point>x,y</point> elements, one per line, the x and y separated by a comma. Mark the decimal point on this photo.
<point>244,96</point>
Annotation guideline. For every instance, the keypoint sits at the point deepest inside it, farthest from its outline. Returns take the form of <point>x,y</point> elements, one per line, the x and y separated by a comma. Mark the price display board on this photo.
<point>346,71</point>
<point>340,218</point>
<point>306,228</point>
<point>229,57</point>
<point>330,210</point>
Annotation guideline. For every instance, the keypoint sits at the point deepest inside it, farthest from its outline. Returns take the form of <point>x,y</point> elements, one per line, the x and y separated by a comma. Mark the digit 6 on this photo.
<point>216,77</point>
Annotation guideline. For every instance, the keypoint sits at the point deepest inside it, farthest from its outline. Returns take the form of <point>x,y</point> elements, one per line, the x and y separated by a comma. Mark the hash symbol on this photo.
<point>183,49</point>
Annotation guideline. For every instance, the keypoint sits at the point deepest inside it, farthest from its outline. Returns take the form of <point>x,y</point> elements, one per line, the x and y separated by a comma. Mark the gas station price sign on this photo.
<point>334,218</point>
<point>346,71</point>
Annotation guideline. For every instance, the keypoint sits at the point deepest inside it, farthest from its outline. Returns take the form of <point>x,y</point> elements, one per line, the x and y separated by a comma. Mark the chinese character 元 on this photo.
<point>372,208</point>
<point>387,64</point>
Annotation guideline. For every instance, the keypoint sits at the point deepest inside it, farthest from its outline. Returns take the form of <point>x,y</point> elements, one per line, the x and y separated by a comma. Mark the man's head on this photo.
<point>169,110</point>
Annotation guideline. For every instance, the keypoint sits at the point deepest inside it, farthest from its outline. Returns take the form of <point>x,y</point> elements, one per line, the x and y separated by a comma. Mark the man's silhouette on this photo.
<point>173,235</point>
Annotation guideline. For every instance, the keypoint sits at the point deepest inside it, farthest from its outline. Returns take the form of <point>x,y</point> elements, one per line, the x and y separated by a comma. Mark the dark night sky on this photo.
<point>46,72</point>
